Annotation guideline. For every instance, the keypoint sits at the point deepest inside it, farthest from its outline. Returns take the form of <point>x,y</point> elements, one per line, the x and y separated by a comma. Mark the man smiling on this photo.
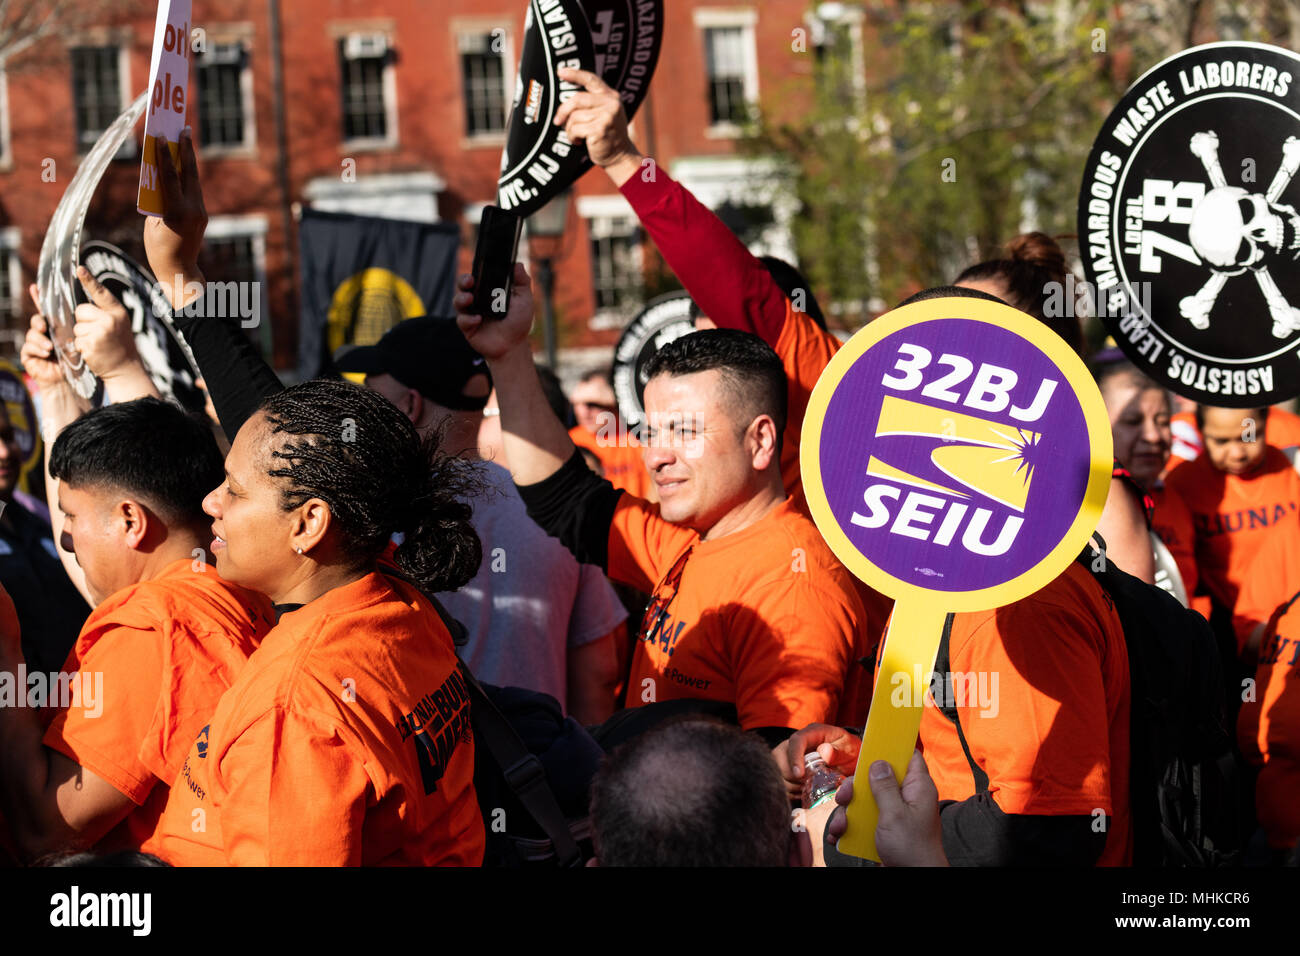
<point>748,604</point>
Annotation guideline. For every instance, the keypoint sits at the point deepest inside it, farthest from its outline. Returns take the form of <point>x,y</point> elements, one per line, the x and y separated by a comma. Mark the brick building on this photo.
<point>289,98</point>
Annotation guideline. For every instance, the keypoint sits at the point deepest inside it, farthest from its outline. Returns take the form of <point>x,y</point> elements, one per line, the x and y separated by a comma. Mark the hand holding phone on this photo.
<point>494,261</point>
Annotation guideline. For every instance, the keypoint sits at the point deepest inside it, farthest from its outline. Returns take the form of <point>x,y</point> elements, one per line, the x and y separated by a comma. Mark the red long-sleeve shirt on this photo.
<point>733,288</point>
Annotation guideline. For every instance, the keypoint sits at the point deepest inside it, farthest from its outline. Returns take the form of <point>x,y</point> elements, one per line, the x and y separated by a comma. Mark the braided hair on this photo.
<point>351,448</point>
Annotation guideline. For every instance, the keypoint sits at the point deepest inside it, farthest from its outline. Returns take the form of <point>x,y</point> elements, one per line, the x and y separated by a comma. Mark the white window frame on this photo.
<point>391,139</point>
<point>843,15</point>
<point>707,18</point>
<point>124,94</point>
<point>241,33</point>
<point>372,194</point>
<point>253,227</point>
<point>594,210</point>
<point>469,26</point>
<point>6,143</point>
<point>11,239</point>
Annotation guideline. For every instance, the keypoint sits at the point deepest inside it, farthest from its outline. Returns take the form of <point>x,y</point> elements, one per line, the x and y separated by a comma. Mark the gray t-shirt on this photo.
<point>531,600</point>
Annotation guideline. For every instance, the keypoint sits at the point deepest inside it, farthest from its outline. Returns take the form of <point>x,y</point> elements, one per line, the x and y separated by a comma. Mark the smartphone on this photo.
<point>494,261</point>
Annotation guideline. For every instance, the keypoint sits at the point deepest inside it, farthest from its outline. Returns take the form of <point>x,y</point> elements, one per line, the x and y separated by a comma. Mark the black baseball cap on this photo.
<point>428,354</point>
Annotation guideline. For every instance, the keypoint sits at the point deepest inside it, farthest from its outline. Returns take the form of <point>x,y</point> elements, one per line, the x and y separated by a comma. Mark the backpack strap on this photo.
<point>948,707</point>
<point>523,771</point>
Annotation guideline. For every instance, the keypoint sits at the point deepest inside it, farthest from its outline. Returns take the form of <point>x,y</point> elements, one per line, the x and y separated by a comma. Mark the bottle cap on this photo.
<point>813,761</point>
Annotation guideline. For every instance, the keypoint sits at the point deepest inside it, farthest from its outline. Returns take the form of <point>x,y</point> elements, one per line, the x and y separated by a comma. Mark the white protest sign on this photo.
<point>169,81</point>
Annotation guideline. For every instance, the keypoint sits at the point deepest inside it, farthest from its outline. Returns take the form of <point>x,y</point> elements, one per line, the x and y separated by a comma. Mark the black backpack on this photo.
<point>1185,789</point>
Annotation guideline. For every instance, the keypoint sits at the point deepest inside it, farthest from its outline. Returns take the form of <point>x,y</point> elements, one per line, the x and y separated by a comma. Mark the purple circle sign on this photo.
<point>957,454</point>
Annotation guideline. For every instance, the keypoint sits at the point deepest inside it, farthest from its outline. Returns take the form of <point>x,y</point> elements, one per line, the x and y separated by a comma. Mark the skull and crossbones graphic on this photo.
<point>1235,231</point>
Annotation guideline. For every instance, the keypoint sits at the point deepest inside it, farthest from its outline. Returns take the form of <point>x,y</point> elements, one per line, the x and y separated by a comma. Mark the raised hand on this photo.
<point>39,360</point>
<point>495,338</point>
<point>172,241</point>
<point>597,118</point>
<point>102,333</point>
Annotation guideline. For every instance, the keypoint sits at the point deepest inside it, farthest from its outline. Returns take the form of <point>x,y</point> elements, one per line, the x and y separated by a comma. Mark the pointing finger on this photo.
<point>584,78</point>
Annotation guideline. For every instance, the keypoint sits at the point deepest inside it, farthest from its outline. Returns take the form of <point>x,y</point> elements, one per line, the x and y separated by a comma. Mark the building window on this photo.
<point>365,64</point>
<point>96,90</point>
<point>725,56</point>
<point>483,71</point>
<point>6,157</point>
<point>224,114</point>
<point>10,274</point>
<point>616,263</point>
<point>234,257</point>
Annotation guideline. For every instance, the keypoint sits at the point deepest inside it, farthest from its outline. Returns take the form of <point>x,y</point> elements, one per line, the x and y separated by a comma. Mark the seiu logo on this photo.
<point>1209,526</point>
<point>964,454</point>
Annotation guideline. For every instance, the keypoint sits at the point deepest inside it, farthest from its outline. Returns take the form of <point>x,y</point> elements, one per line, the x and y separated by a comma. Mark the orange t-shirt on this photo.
<point>1233,516</point>
<point>1282,430</point>
<point>1273,578</point>
<point>620,455</point>
<point>1053,732</point>
<point>1268,728</point>
<point>345,741</point>
<point>166,650</point>
<point>764,618</point>
<point>1172,523</point>
<point>805,349</point>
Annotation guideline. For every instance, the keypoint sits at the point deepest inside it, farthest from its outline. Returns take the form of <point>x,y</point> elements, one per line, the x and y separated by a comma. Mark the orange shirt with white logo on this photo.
<point>163,651</point>
<point>765,618</point>
<point>1044,698</point>
<point>1233,516</point>
<point>345,741</point>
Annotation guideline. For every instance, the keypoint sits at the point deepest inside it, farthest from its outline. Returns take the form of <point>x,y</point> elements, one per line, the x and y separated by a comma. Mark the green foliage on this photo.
<point>960,125</point>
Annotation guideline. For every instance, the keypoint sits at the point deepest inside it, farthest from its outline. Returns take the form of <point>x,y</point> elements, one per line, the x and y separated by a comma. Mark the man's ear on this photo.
<point>134,520</point>
<point>415,406</point>
<point>762,433</point>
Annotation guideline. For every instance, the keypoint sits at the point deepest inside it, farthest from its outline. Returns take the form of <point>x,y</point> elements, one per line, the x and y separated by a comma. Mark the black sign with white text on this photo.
<point>1188,227</point>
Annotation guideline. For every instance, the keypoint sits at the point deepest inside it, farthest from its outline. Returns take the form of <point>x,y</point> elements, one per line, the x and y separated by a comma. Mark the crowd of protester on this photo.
<point>301,615</point>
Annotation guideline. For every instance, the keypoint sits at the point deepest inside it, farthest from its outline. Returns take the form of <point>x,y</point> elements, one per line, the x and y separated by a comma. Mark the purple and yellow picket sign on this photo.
<point>956,456</point>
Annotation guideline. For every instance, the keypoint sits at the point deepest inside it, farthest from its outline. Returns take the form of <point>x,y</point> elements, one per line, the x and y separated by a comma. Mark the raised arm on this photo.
<point>60,407</point>
<point>562,495</point>
<point>237,377</point>
<point>724,278</point>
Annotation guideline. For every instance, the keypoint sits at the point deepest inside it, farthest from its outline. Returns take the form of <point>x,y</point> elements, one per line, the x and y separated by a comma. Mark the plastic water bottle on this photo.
<point>820,781</point>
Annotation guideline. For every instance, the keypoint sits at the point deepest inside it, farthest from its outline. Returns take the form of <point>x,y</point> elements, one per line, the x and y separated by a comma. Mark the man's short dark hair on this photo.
<point>691,792</point>
<point>147,448</point>
<point>751,371</point>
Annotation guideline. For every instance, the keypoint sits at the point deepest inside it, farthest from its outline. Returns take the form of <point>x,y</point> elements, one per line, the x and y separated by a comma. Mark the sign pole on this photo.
<point>892,728</point>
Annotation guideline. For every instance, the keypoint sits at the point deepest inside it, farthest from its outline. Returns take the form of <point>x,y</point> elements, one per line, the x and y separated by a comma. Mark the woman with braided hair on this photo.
<point>345,740</point>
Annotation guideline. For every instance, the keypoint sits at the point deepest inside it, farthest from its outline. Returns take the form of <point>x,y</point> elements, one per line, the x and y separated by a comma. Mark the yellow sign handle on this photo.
<point>895,716</point>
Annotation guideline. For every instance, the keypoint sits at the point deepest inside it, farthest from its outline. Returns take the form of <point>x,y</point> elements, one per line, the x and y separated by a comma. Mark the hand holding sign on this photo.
<point>596,117</point>
<point>172,241</point>
<point>956,456</point>
<point>169,80</point>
